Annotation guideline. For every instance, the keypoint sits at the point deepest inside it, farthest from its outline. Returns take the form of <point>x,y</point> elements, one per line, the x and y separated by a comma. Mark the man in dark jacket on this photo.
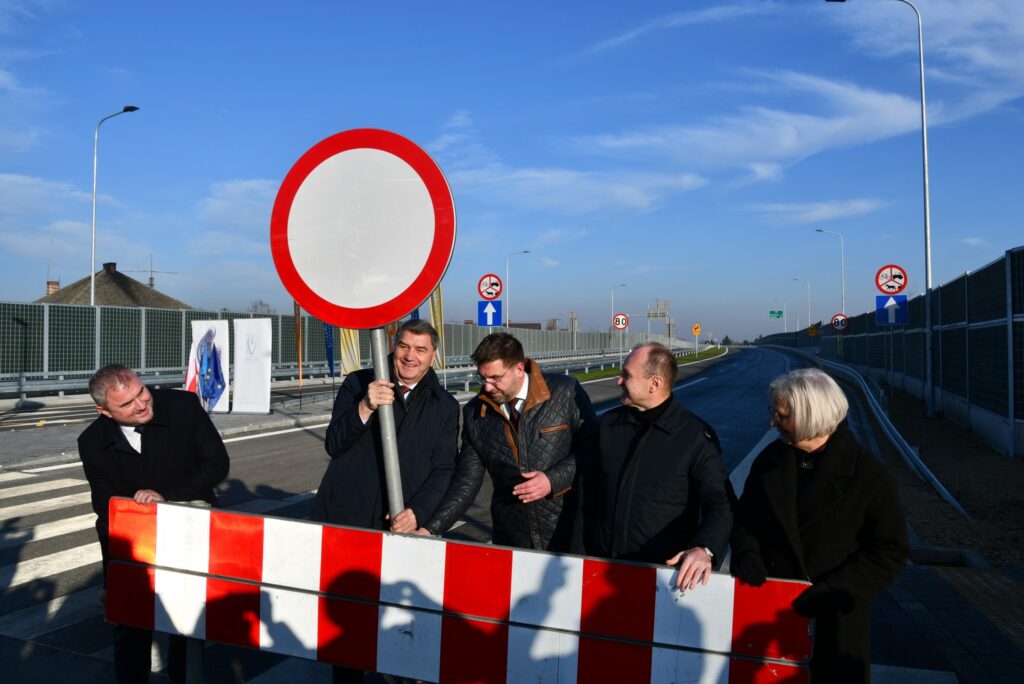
<point>352,491</point>
<point>656,492</point>
<point>152,446</point>
<point>528,430</point>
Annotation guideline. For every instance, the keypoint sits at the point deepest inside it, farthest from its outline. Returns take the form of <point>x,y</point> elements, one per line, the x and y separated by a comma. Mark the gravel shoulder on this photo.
<point>989,485</point>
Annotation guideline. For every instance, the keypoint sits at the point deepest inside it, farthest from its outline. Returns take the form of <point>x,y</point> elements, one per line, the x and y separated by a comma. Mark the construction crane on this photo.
<point>150,271</point>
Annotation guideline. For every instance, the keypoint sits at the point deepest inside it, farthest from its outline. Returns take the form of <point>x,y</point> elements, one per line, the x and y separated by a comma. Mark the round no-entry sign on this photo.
<point>620,321</point>
<point>363,228</point>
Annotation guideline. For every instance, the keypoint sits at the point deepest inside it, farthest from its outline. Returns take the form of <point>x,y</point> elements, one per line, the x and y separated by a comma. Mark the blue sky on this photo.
<point>687,149</point>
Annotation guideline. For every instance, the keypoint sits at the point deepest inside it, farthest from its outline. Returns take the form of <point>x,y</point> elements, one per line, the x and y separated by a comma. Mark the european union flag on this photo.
<point>211,376</point>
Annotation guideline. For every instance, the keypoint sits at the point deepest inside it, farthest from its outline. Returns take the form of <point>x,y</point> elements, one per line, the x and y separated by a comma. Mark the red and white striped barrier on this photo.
<point>438,610</point>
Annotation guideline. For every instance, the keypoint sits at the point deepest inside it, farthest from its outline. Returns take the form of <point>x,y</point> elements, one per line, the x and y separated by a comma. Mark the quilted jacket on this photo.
<point>557,429</point>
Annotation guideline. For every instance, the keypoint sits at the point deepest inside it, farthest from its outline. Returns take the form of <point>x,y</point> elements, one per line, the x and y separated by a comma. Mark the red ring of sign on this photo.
<point>440,250</point>
<point>891,292</point>
<point>480,286</point>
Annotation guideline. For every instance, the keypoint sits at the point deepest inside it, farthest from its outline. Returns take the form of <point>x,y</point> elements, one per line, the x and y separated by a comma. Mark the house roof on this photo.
<point>113,288</point>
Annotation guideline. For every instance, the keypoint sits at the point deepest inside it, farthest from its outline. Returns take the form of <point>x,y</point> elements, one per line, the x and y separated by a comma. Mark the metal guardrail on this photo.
<point>459,370</point>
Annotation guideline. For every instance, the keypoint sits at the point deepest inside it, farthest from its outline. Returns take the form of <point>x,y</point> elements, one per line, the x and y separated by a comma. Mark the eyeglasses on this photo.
<point>778,415</point>
<point>494,380</point>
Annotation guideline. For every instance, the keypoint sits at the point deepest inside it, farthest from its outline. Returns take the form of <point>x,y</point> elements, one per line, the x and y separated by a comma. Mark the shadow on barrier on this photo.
<point>453,613</point>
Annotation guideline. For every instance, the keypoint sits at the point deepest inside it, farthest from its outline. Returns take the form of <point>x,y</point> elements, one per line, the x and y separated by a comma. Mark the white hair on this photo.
<point>814,400</point>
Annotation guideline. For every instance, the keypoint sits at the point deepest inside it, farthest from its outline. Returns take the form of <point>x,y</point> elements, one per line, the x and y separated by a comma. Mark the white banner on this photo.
<point>209,361</point>
<point>253,346</point>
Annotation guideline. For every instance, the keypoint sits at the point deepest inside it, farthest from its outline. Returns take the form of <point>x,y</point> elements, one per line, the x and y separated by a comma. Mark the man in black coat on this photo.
<point>152,446</point>
<point>817,506</point>
<point>656,492</point>
<point>528,430</point>
<point>353,490</point>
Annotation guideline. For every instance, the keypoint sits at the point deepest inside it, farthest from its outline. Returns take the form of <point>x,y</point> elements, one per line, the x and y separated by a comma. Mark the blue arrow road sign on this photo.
<point>488,313</point>
<point>891,309</point>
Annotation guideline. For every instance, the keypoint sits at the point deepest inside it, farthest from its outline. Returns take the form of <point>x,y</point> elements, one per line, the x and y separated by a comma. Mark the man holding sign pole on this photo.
<point>426,417</point>
<point>427,428</point>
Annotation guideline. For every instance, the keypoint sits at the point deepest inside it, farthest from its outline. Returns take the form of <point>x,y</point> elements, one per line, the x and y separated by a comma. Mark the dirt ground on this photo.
<point>989,485</point>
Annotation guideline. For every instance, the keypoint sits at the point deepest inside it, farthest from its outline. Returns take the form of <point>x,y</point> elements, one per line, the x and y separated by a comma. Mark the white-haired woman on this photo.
<point>817,506</point>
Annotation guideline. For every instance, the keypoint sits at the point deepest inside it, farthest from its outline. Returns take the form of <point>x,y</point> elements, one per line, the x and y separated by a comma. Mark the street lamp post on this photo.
<point>614,287</point>
<point>95,162</point>
<point>508,318</point>
<point>929,392</point>
<point>842,268</point>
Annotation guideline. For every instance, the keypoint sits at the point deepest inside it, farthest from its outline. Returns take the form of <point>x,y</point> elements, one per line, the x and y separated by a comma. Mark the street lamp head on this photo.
<point>130,108</point>
<point>818,230</point>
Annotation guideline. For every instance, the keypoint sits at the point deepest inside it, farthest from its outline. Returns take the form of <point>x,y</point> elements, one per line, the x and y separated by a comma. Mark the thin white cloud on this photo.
<point>977,46</point>
<point>763,136</point>
<point>811,212</point>
<point>975,242</point>
<point>681,19</point>
<point>549,262</point>
<point>575,192</point>
<point>560,235</point>
<point>239,206</point>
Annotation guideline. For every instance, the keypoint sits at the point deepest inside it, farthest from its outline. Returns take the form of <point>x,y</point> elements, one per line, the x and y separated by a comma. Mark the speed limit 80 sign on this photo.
<point>620,321</point>
<point>840,322</point>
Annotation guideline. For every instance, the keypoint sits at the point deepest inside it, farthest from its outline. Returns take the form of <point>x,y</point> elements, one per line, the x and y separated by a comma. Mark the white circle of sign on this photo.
<point>363,228</point>
<point>343,218</point>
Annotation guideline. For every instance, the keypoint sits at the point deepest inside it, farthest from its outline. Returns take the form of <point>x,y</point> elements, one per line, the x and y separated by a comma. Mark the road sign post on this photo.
<point>332,233</point>
<point>620,322</point>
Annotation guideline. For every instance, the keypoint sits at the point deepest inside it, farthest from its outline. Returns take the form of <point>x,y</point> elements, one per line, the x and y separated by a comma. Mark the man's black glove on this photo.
<point>815,600</point>
<point>749,568</point>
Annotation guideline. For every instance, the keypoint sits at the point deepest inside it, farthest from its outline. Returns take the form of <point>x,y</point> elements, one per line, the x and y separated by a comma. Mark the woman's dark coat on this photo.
<point>846,534</point>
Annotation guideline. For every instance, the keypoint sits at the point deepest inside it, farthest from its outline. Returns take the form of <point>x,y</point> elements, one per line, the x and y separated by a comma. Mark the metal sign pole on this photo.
<point>386,414</point>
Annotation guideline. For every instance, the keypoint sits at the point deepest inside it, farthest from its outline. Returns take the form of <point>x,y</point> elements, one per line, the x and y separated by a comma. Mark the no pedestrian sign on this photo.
<point>363,228</point>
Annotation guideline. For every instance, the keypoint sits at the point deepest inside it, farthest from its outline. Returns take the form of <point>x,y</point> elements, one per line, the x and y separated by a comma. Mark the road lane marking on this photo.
<point>13,475</point>
<point>739,474</point>
<point>59,466</point>
<point>274,433</point>
<point>44,566</point>
<point>46,530</point>
<point>45,506</point>
<point>39,486</point>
